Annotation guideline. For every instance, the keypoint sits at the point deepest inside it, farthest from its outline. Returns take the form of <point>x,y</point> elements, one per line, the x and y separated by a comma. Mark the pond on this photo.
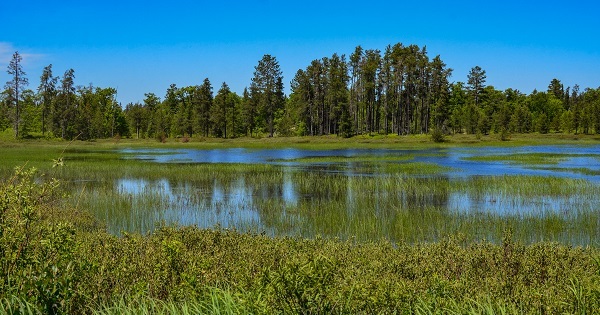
<point>462,161</point>
<point>539,192</point>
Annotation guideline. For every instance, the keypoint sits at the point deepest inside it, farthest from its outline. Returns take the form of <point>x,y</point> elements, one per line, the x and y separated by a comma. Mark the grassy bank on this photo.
<point>325,142</point>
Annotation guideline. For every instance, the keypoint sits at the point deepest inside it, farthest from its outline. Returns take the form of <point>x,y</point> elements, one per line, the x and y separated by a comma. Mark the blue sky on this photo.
<point>144,46</point>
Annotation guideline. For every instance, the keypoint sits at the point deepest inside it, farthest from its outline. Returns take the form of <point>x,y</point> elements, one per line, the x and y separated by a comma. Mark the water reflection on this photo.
<point>336,205</point>
<point>357,199</point>
<point>578,162</point>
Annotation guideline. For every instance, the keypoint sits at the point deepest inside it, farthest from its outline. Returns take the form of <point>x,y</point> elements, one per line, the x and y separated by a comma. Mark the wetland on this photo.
<point>542,193</point>
<point>261,229</point>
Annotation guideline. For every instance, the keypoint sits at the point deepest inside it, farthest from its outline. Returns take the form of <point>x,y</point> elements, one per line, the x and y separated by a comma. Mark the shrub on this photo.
<point>437,135</point>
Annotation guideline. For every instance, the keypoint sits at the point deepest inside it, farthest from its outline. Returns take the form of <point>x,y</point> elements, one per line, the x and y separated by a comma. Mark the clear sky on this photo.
<point>144,46</point>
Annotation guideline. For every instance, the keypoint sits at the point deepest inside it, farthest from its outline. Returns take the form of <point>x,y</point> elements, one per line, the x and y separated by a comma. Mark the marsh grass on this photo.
<point>527,158</point>
<point>413,168</point>
<point>354,158</point>
<point>531,158</point>
<point>576,170</point>
<point>413,209</point>
<point>398,200</point>
<point>14,305</point>
<point>215,301</point>
<point>398,206</point>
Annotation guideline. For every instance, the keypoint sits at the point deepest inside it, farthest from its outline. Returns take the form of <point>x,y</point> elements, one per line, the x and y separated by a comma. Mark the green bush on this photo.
<point>437,135</point>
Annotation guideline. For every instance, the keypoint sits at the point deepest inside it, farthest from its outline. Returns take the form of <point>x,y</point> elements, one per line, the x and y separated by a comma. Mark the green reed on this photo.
<point>395,200</point>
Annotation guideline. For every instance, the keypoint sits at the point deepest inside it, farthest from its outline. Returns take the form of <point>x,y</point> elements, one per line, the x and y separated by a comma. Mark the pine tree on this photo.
<point>15,85</point>
<point>440,94</point>
<point>152,104</point>
<point>47,91</point>
<point>249,112</point>
<point>556,88</point>
<point>202,103</point>
<point>476,83</point>
<point>266,89</point>
<point>219,111</point>
<point>64,106</point>
<point>337,95</point>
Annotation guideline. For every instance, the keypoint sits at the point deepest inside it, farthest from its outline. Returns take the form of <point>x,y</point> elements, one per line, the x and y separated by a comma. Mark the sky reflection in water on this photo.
<point>236,204</point>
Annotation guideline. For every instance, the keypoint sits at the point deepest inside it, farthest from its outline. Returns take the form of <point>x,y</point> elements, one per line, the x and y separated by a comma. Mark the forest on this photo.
<point>400,90</point>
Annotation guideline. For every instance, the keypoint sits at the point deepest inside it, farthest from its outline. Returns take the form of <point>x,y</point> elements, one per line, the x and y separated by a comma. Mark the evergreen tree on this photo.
<point>183,116</point>
<point>15,85</point>
<point>152,104</point>
<point>369,77</point>
<point>575,105</point>
<point>235,119</point>
<point>317,79</point>
<point>202,104</point>
<point>476,83</point>
<point>64,109</point>
<point>222,105</point>
<point>47,91</point>
<point>89,114</point>
<point>440,94</point>
<point>556,88</point>
<point>356,86</point>
<point>457,101</point>
<point>301,103</point>
<point>169,109</point>
<point>249,113</point>
<point>266,89</point>
<point>337,96</point>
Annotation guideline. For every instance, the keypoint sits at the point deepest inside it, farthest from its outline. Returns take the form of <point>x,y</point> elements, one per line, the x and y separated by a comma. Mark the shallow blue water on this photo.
<point>455,158</point>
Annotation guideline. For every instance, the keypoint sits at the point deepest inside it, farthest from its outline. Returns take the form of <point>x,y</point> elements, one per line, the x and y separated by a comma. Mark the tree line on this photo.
<point>400,90</point>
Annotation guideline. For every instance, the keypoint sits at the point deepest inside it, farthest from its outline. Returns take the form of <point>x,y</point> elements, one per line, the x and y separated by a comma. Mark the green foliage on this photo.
<point>437,135</point>
<point>36,257</point>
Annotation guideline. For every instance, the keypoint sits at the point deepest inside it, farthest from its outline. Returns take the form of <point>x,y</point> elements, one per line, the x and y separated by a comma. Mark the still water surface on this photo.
<point>576,157</point>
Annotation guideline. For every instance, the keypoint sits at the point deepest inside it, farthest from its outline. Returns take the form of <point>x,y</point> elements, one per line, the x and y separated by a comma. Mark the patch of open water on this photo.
<point>576,158</point>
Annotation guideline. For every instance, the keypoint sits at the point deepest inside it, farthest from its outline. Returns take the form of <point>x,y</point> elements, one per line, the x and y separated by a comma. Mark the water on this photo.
<point>357,197</point>
<point>455,158</point>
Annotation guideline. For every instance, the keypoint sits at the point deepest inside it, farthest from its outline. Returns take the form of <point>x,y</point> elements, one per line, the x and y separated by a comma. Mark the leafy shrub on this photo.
<point>437,135</point>
<point>36,258</point>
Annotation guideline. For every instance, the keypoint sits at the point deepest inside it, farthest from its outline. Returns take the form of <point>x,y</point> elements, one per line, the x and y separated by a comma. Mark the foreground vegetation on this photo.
<point>57,259</point>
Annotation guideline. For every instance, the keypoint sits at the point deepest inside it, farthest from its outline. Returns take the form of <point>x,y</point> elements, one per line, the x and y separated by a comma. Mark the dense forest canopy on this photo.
<point>399,90</point>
